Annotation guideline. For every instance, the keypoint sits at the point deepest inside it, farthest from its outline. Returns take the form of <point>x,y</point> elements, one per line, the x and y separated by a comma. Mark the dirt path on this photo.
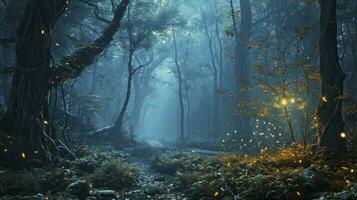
<point>151,184</point>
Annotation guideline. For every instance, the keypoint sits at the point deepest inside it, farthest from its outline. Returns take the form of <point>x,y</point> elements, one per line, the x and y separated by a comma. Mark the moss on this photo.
<point>35,181</point>
<point>170,163</point>
<point>114,175</point>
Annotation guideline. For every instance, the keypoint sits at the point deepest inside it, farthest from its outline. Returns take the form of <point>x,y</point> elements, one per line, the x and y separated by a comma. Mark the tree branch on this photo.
<point>143,65</point>
<point>72,66</point>
<point>95,11</point>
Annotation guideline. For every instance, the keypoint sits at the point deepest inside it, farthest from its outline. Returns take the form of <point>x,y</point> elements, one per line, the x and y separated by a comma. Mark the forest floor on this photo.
<point>144,173</point>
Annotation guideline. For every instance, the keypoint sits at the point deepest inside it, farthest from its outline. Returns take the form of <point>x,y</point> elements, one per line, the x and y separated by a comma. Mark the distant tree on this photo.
<point>143,83</point>
<point>143,25</point>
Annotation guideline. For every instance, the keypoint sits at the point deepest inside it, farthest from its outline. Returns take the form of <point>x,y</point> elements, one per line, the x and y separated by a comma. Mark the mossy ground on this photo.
<point>289,173</point>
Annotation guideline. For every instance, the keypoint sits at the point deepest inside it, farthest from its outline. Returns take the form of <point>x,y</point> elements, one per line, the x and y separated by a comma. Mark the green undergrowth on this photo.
<point>289,173</point>
<point>96,168</point>
<point>114,175</point>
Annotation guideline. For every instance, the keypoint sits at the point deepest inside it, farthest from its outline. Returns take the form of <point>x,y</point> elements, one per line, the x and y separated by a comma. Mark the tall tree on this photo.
<point>141,32</point>
<point>210,38</point>
<point>180,87</point>
<point>331,124</point>
<point>26,129</point>
<point>244,58</point>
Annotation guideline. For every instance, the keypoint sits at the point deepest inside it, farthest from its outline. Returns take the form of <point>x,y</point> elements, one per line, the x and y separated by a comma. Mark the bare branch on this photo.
<point>95,11</point>
<point>143,65</point>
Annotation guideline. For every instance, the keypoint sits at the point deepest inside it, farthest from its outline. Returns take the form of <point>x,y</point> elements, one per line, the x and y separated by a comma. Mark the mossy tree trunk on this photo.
<point>26,131</point>
<point>331,124</point>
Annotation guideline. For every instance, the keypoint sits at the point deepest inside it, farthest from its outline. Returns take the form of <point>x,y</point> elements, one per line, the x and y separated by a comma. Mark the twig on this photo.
<point>95,11</point>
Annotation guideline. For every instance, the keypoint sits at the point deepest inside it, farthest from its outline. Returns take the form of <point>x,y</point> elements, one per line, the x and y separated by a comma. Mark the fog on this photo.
<point>202,71</point>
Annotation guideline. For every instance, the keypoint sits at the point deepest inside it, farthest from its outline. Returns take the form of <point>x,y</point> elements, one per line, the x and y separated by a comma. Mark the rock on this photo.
<point>105,194</point>
<point>349,193</point>
<point>86,165</point>
<point>155,188</point>
<point>314,179</point>
<point>79,188</point>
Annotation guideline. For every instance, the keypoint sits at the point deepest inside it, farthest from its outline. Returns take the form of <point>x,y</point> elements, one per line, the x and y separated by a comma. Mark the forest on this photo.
<point>178,99</point>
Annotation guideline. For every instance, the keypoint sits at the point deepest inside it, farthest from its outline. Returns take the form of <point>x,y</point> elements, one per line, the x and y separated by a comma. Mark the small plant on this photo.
<point>114,175</point>
<point>170,163</point>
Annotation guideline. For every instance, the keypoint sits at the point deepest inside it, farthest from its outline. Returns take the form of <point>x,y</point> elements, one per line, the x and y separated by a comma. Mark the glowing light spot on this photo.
<point>298,193</point>
<point>45,122</point>
<point>23,155</point>
<point>5,150</point>
<point>343,135</point>
<point>284,102</point>
<point>352,170</point>
<point>300,161</point>
<point>324,98</point>
<point>292,100</point>
<point>216,194</point>
<point>36,152</point>
<point>58,45</point>
<point>43,32</point>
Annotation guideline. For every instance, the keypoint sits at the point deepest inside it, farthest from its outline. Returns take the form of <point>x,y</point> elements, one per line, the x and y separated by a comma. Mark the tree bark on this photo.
<point>329,112</point>
<point>180,82</point>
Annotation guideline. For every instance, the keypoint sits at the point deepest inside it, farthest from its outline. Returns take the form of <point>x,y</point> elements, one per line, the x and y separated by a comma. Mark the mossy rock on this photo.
<point>114,175</point>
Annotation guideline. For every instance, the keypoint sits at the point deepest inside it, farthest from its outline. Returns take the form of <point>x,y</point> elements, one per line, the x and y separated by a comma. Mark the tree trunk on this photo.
<point>26,128</point>
<point>188,101</point>
<point>138,102</point>
<point>120,120</point>
<point>331,125</point>
<point>236,72</point>
<point>215,124</point>
<point>244,59</point>
<point>180,82</point>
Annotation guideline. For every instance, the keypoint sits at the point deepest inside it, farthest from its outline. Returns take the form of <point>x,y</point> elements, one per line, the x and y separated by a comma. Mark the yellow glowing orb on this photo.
<point>284,102</point>
<point>23,155</point>
<point>343,135</point>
